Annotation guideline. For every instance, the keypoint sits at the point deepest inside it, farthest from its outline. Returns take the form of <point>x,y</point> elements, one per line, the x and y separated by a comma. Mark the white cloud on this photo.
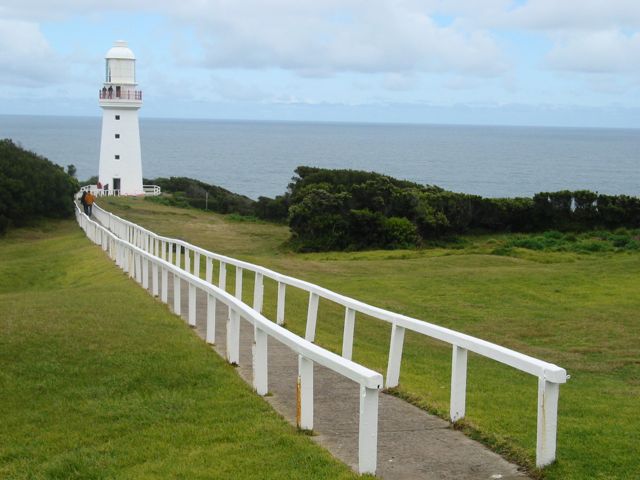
<point>311,37</point>
<point>328,37</point>
<point>26,59</point>
<point>562,15</point>
<point>607,51</point>
<point>399,82</point>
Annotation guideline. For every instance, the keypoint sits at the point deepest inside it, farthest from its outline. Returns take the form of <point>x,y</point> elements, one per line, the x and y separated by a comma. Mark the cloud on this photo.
<point>607,51</point>
<point>328,37</point>
<point>26,59</point>
<point>313,38</point>
<point>563,15</point>
<point>399,82</point>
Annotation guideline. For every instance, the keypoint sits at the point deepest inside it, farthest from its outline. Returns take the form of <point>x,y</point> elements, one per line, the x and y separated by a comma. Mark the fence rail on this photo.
<point>136,261</point>
<point>549,376</point>
<point>149,190</point>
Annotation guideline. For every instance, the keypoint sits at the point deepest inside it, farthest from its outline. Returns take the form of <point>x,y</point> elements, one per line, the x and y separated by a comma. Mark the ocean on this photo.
<point>259,158</point>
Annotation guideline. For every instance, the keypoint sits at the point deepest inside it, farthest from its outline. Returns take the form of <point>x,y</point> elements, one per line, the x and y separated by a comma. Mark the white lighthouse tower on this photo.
<point>120,161</point>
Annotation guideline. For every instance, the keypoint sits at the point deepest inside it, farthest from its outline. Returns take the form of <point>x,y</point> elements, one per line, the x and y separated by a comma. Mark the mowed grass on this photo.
<point>99,381</point>
<point>580,311</point>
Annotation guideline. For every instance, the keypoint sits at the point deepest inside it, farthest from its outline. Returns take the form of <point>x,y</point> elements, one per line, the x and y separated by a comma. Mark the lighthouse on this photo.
<point>120,170</point>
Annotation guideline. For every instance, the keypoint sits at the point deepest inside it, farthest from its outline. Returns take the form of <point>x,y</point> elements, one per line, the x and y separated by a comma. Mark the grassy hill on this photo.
<point>99,380</point>
<point>579,309</point>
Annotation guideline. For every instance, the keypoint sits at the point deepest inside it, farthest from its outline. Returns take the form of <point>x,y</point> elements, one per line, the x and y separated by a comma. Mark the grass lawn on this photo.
<point>578,310</point>
<point>99,380</point>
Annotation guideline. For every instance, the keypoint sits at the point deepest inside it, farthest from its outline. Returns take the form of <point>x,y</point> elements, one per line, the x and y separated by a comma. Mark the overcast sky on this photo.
<point>539,62</point>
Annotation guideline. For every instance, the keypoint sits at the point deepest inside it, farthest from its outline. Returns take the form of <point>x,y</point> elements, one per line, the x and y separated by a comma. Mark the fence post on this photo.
<point>395,356</point>
<point>233,337</point>
<point>154,278</point>
<point>458,383</point>
<point>164,296</point>
<point>222,276</point>
<point>208,275</point>
<point>211,319</point>
<point>178,250</point>
<point>132,267</point>
<point>368,431</point>
<point>192,305</point>
<point>347,336</point>
<point>176,294</point>
<point>312,316</point>
<point>548,393</point>
<point>196,264</point>
<point>304,397</point>
<point>187,260</point>
<point>117,252</point>
<point>170,249</point>
<point>258,292</point>
<point>238,292</point>
<point>282,290</point>
<point>145,273</point>
<point>138,268</point>
<point>260,370</point>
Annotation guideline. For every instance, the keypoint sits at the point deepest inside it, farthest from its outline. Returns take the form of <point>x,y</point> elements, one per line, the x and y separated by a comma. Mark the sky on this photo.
<point>504,62</point>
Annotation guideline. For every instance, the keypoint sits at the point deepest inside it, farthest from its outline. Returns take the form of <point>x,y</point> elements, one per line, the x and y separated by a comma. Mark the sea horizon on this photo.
<point>258,157</point>
<point>336,122</point>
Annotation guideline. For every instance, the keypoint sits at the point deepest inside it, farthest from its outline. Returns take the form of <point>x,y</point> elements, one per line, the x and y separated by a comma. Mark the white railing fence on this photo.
<point>549,376</point>
<point>152,190</point>
<point>139,262</point>
<point>149,190</point>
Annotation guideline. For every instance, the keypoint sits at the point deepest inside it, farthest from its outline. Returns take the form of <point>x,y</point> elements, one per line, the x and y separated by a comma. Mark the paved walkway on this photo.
<point>412,444</point>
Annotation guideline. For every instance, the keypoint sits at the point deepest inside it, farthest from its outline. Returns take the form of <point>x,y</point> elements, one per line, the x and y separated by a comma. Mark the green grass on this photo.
<point>576,307</point>
<point>100,381</point>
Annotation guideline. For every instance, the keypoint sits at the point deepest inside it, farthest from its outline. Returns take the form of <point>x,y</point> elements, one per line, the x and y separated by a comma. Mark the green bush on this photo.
<point>367,199</point>
<point>400,233</point>
<point>198,194</point>
<point>32,186</point>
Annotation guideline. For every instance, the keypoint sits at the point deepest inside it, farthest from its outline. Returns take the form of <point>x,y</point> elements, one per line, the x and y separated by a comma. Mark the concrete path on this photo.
<point>411,443</point>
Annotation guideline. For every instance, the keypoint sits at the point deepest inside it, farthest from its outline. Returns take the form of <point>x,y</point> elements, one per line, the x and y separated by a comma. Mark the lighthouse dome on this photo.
<point>120,50</point>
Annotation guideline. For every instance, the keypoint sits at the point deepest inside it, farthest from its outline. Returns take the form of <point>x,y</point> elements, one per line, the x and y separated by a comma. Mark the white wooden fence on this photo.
<point>549,376</point>
<point>149,190</point>
<point>138,262</point>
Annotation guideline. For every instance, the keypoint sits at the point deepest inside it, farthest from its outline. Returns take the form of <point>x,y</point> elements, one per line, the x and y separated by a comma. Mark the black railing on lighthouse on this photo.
<point>106,94</point>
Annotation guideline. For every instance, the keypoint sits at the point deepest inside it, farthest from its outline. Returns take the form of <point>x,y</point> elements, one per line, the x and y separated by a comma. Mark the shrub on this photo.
<point>32,186</point>
<point>400,233</point>
<point>200,195</point>
<point>368,198</point>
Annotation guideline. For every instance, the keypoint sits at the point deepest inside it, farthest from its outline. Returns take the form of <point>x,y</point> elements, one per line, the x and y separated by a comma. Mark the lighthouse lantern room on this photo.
<point>120,170</point>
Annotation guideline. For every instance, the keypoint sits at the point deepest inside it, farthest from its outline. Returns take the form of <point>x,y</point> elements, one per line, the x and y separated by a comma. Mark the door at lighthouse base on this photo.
<point>116,186</point>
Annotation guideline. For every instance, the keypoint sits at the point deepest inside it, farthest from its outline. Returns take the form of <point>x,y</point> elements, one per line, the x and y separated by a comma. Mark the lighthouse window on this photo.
<point>117,157</point>
<point>117,135</point>
<point>117,117</point>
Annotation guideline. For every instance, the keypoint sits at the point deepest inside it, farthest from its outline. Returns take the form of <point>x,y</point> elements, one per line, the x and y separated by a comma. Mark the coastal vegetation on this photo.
<point>99,380</point>
<point>32,187</point>
<point>567,298</point>
<point>354,210</point>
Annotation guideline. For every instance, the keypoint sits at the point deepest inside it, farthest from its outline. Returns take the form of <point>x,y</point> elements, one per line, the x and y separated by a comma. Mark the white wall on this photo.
<point>129,167</point>
<point>123,71</point>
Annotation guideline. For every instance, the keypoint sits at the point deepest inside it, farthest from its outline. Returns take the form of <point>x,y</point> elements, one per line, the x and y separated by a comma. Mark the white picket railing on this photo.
<point>149,190</point>
<point>138,261</point>
<point>152,190</point>
<point>549,376</point>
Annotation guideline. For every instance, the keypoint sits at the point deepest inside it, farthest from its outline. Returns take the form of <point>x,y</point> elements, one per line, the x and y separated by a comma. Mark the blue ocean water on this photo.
<point>258,158</point>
